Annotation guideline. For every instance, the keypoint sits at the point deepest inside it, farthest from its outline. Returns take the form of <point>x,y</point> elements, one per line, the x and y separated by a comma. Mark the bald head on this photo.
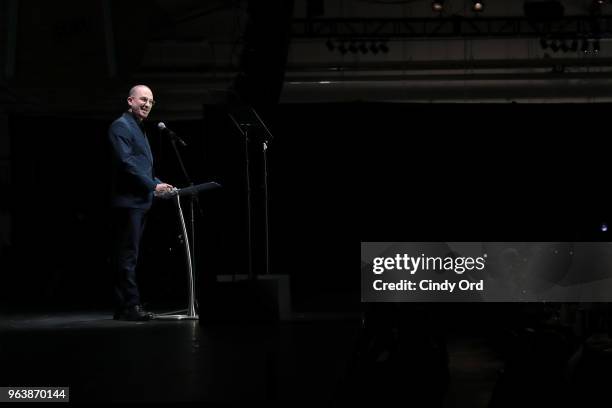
<point>136,88</point>
<point>140,101</point>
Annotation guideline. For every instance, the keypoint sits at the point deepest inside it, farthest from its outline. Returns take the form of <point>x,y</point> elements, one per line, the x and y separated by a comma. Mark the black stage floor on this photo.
<point>303,361</point>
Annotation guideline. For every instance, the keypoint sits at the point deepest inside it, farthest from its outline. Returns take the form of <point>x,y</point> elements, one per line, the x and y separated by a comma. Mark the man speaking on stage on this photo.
<point>133,186</point>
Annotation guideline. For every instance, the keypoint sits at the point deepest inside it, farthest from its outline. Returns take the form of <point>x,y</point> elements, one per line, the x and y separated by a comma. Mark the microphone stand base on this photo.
<point>176,317</point>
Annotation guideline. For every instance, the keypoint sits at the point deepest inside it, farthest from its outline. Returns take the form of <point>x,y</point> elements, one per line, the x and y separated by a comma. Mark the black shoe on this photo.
<point>150,314</point>
<point>134,313</point>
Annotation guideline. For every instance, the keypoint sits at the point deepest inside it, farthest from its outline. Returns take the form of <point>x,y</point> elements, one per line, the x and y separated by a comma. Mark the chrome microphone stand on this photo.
<point>191,313</point>
<point>191,191</point>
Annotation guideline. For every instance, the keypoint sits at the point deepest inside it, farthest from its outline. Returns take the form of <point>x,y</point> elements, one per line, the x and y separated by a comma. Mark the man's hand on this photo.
<point>162,189</point>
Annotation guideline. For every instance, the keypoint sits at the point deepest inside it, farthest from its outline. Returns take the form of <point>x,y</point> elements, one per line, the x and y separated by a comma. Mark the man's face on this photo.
<point>141,102</point>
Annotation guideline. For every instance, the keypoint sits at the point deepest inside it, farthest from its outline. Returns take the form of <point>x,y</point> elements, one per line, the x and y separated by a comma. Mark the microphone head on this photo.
<point>161,126</point>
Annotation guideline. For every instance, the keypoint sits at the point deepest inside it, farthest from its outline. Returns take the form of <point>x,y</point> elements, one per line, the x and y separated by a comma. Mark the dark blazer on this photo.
<point>132,180</point>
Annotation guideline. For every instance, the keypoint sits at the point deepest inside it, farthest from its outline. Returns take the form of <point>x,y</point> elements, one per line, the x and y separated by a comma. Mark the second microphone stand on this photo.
<point>246,120</point>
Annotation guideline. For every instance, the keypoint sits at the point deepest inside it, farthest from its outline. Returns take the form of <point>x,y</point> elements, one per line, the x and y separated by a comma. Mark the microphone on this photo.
<point>162,128</point>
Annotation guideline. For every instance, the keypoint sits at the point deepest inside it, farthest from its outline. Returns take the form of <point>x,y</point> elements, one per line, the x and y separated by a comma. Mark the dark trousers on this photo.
<point>128,226</point>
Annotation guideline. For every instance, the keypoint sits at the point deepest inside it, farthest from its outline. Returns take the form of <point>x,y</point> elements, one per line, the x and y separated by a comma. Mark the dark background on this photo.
<point>338,173</point>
